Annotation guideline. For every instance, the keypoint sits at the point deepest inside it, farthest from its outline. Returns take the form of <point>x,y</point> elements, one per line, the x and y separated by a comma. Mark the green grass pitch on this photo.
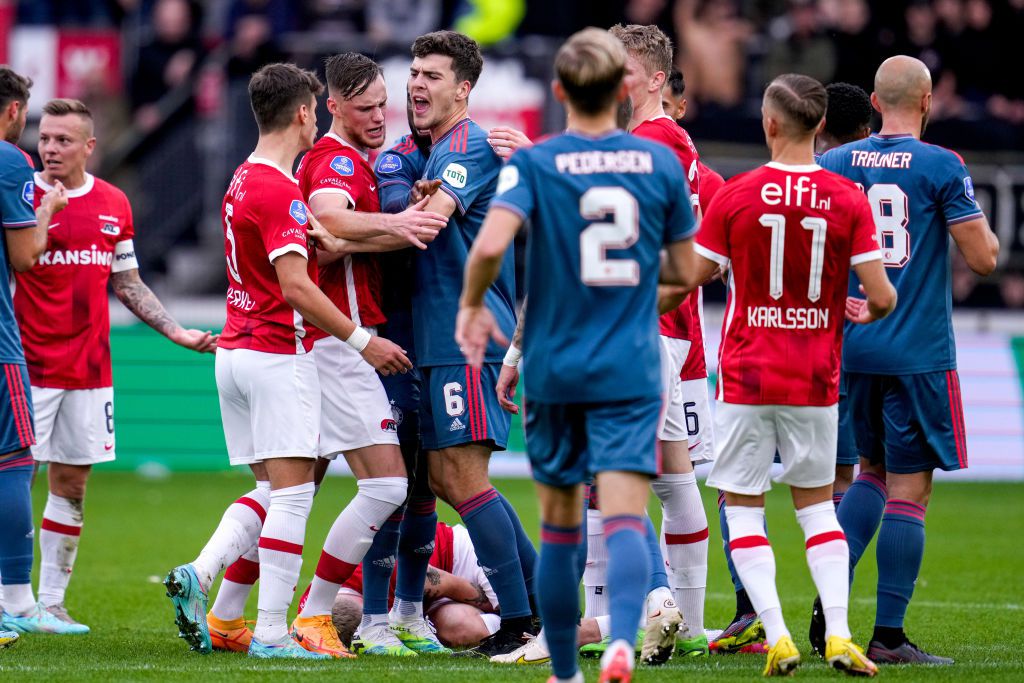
<point>968,602</point>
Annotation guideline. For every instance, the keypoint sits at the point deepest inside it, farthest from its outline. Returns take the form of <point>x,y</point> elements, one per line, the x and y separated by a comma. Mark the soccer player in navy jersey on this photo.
<point>602,204</point>
<point>903,389</point>
<point>461,421</point>
<point>25,234</point>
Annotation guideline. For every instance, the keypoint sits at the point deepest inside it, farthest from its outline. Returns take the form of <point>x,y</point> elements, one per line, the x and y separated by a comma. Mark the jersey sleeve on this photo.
<point>864,236</point>
<point>681,223</point>
<point>713,237</point>
<point>515,189</point>
<point>124,248</point>
<point>338,175</point>
<point>282,222</point>
<point>394,181</point>
<point>956,194</point>
<point>463,174</point>
<point>17,195</point>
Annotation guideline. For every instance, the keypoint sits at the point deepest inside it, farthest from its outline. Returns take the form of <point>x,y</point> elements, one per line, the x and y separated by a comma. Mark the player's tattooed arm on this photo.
<point>442,584</point>
<point>138,298</point>
<point>517,336</point>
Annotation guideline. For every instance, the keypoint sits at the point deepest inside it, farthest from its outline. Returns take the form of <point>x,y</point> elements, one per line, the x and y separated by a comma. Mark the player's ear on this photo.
<point>462,90</point>
<point>926,102</point>
<point>90,145</point>
<point>820,127</point>
<point>874,102</point>
<point>657,81</point>
<point>558,91</point>
<point>11,110</point>
<point>682,108</point>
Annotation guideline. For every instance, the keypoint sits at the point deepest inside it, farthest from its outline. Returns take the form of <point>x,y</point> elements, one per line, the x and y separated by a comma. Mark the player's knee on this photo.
<point>392,490</point>
<point>68,482</point>
<point>465,632</point>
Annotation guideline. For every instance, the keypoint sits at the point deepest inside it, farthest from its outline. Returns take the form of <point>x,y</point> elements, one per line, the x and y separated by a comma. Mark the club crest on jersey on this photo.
<point>397,413</point>
<point>298,212</point>
<point>388,425</point>
<point>455,175</point>
<point>507,179</point>
<point>342,165</point>
<point>110,229</point>
<point>969,188</point>
<point>28,192</point>
<point>389,163</point>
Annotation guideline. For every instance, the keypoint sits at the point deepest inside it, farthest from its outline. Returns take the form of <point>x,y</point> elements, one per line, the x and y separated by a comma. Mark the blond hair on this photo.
<point>648,44</point>
<point>590,66</point>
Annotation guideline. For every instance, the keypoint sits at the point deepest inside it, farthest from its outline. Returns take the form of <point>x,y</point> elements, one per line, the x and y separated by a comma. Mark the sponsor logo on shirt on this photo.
<point>457,424</point>
<point>125,256</point>
<point>389,163</point>
<point>28,193</point>
<point>110,229</point>
<point>507,179</point>
<point>79,257</point>
<point>455,175</point>
<point>298,212</point>
<point>342,165</point>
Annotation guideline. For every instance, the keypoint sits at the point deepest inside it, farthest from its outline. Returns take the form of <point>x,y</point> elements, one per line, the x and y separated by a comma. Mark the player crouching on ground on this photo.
<point>778,382</point>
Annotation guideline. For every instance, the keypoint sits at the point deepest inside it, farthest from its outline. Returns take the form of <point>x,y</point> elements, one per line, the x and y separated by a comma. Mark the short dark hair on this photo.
<point>801,99</point>
<point>63,106</point>
<point>676,82</point>
<point>350,74</point>
<point>590,66</point>
<point>849,111</point>
<point>13,86</point>
<point>277,90</point>
<point>467,62</point>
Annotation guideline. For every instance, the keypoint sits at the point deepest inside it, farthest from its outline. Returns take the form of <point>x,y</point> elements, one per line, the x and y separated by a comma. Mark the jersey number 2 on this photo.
<point>596,269</point>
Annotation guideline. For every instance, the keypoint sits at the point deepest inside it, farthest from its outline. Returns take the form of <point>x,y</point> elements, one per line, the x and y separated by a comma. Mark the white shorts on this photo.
<point>73,426</point>
<point>687,412</point>
<point>748,435</point>
<point>269,404</point>
<point>355,410</point>
<point>465,565</point>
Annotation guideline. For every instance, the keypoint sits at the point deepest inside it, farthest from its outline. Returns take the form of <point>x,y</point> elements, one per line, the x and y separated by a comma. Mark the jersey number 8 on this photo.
<point>891,210</point>
<point>596,269</point>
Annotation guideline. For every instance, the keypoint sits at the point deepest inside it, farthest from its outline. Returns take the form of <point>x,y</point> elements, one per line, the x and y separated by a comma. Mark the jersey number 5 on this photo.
<point>232,257</point>
<point>817,226</point>
<point>596,269</point>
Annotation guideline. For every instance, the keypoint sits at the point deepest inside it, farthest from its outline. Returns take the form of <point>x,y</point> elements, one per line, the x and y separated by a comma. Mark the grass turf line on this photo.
<point>968,603</point>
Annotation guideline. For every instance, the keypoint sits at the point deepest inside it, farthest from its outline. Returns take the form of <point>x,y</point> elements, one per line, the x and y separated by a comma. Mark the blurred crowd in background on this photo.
<point>181,60</point>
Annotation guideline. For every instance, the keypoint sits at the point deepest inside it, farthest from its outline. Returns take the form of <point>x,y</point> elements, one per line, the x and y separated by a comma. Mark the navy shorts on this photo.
<point>846,445</point>
<point>16,416</point>
<point>458,405</point>
<point>568,443</point>
<point>911,423</point>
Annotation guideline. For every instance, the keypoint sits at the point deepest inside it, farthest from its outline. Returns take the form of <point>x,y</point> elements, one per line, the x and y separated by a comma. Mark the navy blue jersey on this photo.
<point>600,210</point>
<point>17,192</point>
<point>917,192</point>
<point>468,169</point>
<point>396,170</point>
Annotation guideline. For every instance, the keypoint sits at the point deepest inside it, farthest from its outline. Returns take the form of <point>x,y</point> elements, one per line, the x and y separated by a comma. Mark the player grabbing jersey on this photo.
<point>462,422</point>
<point>789,232</point>
<point>24,242</point>
<point>684,376</point>
<point>601,204</point>
<point>903,389</point>
<point>266,377</point>
<point>63,313</point>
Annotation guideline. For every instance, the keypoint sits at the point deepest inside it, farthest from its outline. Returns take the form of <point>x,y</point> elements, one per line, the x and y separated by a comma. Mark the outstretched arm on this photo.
<point>138,298</point>
<point>441,584</point>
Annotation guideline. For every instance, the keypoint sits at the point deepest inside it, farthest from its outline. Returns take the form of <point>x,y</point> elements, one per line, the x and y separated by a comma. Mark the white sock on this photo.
<point>604,625</point>
<point>685,545</point>
<point>371,620</point>
<point>238,530</point>
<point>828,557</point>
<point>18,599</point>
<point>755,564</point>
<point>280,553</point>
<point>595,574</point>
<point>234,590</point>
<point>350,537</point>
<point>405,610</point>
<point>492,622</point>
<point>58,546</point>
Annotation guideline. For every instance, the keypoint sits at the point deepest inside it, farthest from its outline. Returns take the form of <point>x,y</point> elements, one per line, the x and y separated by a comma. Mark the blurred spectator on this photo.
<point>279,16</point>
<point>712,52</point>
<point>84,13</point>
<point>335,18</point>
<point>855,41</point>
<point>252,30</point>
<point>402,21</point>
<point>921,39</point>
<point>167,60</point>
<point>799,44</point>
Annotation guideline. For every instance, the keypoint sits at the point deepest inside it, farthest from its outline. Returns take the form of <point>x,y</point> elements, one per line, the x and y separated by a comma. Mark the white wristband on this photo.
<point>358,339</point>
<point>512,356</point>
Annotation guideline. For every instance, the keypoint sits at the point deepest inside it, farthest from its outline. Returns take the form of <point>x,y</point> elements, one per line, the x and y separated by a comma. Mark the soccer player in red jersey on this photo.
<point>62,310</point>
<point>684,372</point>
<point>266,377</point>
<point>788,230</point>
<point>339,184</point>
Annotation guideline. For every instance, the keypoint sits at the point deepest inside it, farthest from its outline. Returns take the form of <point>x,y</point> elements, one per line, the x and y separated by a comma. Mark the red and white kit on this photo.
<point>266,379</point>
<point>684,369</point>
<point>791,234</point>
<point>62,310</point>
<point>356,409</point>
